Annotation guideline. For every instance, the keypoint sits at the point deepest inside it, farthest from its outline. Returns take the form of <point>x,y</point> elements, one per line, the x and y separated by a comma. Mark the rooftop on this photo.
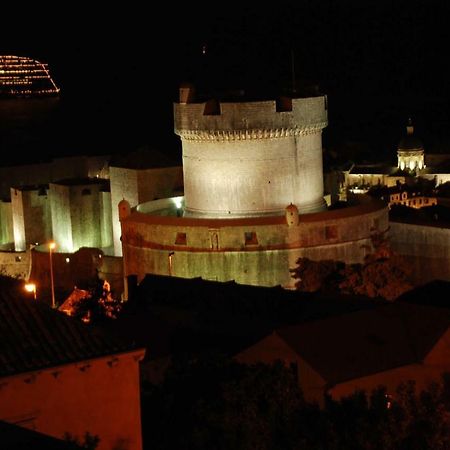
<point>33,336</point>
<point>367,342</point>
<point>14,437</point>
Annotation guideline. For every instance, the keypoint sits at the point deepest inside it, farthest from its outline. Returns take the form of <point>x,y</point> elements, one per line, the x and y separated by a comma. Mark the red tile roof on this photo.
<point>33,336</point>
<point>366,342</point>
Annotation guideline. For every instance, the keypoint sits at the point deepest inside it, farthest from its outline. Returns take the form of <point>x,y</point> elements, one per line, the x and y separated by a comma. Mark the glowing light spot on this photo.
<point>31,287</point>
<point>178,202</point>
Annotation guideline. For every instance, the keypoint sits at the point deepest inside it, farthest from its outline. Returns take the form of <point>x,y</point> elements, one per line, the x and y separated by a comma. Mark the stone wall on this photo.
<point>257,251</point>
<point>69,269</point>
<point>139,186</point>
<point>6,223</point>
<point>250,159</point>
<point>31,217</point>
<point>15,264</point>
<point>85,210</point>
<point>18,217</point>
<point>61,217</point>
<point>253,177</point>
<point>106,229</point>
<point>425,247</point>
<point>251,115</point>
<point>80,215</point>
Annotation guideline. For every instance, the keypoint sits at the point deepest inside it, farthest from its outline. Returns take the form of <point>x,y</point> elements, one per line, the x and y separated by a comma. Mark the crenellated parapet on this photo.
<point>249,120</point>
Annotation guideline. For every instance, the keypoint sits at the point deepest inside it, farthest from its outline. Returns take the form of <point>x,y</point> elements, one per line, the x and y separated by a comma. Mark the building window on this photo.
<point>250,238</point>
<point>331,232</point>
<point>18,258</point>
<point>180,239</point>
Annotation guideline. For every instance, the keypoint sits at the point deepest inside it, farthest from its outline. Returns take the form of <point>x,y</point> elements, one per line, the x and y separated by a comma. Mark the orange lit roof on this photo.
<point>34,336</point>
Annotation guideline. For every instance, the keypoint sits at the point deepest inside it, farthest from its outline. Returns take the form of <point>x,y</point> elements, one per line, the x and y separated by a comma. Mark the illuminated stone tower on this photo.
<point>253,198</point>
<point>251,158</point>
<point>410,153</point>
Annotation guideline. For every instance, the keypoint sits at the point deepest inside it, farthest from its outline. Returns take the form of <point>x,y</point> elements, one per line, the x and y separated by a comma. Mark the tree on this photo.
<point>316,276</point>
<point>382,274</point>
<point>213,402</point>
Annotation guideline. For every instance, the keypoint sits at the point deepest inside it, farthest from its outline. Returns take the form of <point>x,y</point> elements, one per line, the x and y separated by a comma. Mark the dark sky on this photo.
<point>119,67</point>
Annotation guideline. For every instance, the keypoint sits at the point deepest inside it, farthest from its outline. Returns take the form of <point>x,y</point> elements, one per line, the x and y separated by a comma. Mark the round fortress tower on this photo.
<point>250,169</point>
<point>244,159</point>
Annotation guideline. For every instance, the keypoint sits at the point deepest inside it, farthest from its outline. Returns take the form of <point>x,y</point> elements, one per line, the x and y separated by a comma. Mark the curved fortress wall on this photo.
<point>257,251</point>
<point>248,159</point>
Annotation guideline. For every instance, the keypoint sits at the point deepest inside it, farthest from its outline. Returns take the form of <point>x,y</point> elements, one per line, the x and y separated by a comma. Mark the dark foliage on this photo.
<point>382,274</point>
<point>214,403</point>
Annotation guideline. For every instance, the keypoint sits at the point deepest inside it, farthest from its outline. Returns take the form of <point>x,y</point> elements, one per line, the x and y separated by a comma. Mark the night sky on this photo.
<point>119,68</point>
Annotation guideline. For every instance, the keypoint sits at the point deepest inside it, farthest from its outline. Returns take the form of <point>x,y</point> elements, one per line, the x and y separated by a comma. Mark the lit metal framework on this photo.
<point>25,77</point>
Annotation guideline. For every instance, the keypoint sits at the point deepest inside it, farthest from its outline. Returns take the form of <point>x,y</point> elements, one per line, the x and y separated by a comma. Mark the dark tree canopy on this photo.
<point>215,403</point>
<point>383,274</point>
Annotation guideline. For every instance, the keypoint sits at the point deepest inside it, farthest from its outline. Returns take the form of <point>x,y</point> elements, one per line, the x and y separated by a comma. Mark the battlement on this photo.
<point>247,120</point>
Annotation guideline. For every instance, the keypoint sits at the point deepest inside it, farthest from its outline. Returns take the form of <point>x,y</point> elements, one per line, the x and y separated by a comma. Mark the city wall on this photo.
<point>140,186</point>
<point>426,249</point>
<point>258,251</point>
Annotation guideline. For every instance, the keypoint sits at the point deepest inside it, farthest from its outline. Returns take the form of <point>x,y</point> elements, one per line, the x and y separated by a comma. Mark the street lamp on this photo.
<point>31,287</point>
<point>52,246</point>
<point>171,263</point>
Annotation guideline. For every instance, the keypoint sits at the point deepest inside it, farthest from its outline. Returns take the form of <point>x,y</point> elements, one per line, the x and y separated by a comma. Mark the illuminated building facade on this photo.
<point>253,198</point>
<point>410,199</point>
<point>411,163</point>
<point>25,77</point>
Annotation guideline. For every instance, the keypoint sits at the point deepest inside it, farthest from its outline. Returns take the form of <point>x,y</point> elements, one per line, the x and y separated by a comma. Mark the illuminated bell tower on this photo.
<point>247,159</point>
<point>410,152</point>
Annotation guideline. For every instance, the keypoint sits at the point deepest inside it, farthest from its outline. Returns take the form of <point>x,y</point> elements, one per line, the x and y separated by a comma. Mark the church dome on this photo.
<point>410,142</point>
